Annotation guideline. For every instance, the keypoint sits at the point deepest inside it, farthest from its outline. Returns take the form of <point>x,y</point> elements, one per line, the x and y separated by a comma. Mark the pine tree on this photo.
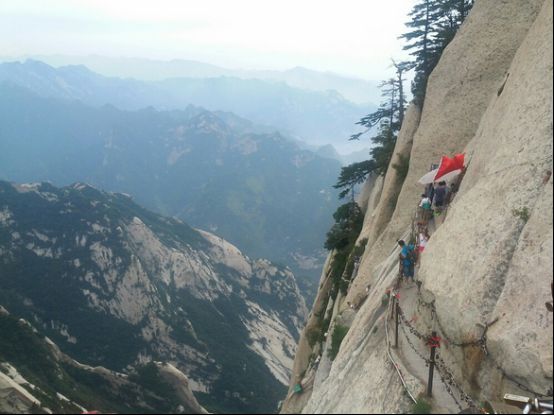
<point>433,25</point>
<point>421,42</point>
<point>352,175</point>
<point>348,223</point>
<point>453,13</point>
<point>388,118</point>
<point>401,68</point>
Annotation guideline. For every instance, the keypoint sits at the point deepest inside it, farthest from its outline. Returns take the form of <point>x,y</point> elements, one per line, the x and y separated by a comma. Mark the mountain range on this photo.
<point>316,117</point>
<point>116,285</point>
<point>259,191</point>
<point>352,88</point>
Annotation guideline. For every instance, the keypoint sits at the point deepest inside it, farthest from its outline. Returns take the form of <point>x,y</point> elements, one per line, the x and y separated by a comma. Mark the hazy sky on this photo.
<point>355,37</point>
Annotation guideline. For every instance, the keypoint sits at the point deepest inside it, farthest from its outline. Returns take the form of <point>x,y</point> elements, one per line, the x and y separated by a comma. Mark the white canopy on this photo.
<point>429,178</point>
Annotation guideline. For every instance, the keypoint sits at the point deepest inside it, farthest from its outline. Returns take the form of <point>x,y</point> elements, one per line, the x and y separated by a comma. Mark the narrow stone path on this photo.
<point>413,360</point>
<point>413,353</point>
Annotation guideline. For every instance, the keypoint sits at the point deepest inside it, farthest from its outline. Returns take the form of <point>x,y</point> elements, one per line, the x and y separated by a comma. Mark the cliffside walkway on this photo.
<point>412,355</point>
<point>413,347</point>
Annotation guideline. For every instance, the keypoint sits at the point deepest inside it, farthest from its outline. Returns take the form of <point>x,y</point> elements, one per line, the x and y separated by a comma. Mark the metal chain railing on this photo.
<point>482,343</point>
<point>446,373</point>
<point>448,387</point>
<point>410,327</point>
<point>413,347</point>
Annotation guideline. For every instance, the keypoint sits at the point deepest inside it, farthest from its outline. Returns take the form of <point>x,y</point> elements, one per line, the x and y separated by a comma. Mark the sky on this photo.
<point>350,37</point>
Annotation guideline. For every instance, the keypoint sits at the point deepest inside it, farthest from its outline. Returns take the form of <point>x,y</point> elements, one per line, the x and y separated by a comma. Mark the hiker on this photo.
<point>407,259</point>
<point>425,207</point>
<point>440,196</point>
<point>430,191</point>
<point>423,239</point>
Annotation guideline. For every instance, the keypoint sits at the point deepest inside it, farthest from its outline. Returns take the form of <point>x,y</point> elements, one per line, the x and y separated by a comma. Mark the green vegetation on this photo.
<point>242,382</point>
<point>161,394</point>
<point>313,336</point>
<point>432,26</point>
<point>336,339</point>
<point>387,120</point>
<point>402,167</point>
<point>355,255</point>
<point>28,352</point>
<point>487,407</point>
<point>352,175</point>
<point>316,334</point>
<point>342,238</point>
<point>421,407</point>
<point>348,223</point>
<point>522,213</point>
<point>214,184</point>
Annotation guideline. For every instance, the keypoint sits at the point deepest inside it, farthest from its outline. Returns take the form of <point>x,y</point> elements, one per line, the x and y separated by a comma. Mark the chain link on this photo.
<point>446,376</point>
<point>449,377</point>
<point>481,342</point>
<point>410,327</point>
<point>447,385</point>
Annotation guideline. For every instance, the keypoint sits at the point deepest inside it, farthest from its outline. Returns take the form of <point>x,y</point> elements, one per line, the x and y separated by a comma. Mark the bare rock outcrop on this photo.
<point>492,257</point>
<point>491,260</point>
<point>468,75</point>
<point>384,200</point>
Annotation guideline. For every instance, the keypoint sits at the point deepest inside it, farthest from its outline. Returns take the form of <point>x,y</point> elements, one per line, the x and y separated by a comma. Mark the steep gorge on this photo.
<point>490,96</point>
<point>115,285</point>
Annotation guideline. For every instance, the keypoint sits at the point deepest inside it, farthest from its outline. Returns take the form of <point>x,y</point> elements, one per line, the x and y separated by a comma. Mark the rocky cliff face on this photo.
<point>115,285</point>
<point>37,377</point>
<point>487,269</point>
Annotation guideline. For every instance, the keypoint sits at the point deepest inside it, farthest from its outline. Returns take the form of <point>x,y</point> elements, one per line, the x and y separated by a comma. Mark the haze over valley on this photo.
<point>276,207</point>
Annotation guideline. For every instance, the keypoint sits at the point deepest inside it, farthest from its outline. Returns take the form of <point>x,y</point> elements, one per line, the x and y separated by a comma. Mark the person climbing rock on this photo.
<point>407,259</point>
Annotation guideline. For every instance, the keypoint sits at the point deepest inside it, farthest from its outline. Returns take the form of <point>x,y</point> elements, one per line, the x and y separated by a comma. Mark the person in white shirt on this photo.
<point>425,207</point>
<point>423,239</point>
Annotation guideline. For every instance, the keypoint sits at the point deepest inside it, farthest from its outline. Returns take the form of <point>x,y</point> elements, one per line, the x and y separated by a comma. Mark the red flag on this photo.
<point>450,164</point>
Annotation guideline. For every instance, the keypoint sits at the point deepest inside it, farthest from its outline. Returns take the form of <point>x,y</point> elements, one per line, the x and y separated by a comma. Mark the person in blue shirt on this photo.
<point>407,259</point>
